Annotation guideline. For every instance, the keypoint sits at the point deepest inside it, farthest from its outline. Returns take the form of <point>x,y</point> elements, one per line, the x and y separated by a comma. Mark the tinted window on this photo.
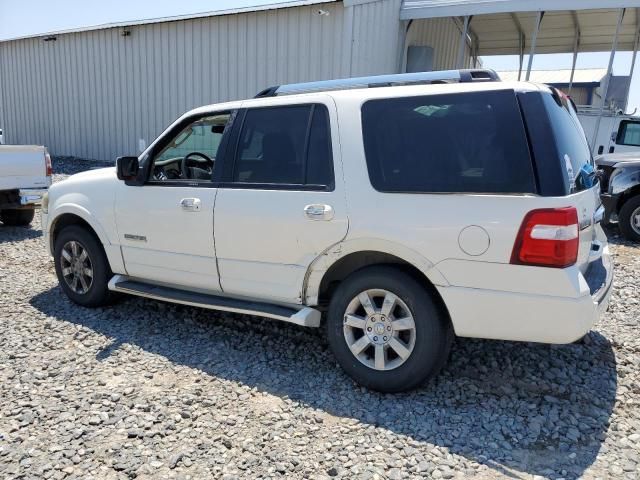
<point>285,145</point>
<point>320,160</point>
<point>570,140</point>
<point>629,133</point>
<point>471,142</point>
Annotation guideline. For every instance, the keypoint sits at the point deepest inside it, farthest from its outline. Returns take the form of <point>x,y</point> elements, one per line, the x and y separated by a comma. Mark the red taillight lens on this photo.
<point>548,238</point>
<point>47,161</point>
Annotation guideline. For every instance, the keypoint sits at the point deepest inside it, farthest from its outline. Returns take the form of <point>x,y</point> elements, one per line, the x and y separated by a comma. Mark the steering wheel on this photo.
<point>185,168</point>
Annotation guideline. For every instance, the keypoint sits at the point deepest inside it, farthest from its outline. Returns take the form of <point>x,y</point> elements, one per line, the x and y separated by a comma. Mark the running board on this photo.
<point>300,315</point>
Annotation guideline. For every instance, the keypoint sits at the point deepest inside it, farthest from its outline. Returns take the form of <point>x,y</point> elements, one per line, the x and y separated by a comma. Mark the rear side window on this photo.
<point>628,133</point>
<point>571,143</point>
<point>287,145</point>
<point>467,143</point>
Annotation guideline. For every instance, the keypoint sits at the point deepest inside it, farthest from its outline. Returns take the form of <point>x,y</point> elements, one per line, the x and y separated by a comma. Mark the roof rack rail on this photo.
<point>442,76</point>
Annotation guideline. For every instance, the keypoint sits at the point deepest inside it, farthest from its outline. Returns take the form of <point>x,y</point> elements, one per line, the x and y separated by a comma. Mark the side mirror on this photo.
<point>127,168</point>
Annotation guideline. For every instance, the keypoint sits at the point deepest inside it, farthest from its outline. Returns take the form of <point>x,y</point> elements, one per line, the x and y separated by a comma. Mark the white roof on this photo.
<point>499,24</point>
<point>583,75</point>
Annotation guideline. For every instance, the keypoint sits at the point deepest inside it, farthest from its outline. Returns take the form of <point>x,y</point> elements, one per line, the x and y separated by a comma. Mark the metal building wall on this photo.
<point>444,36</point>
<point>377,37</point>
<point>95,94</point>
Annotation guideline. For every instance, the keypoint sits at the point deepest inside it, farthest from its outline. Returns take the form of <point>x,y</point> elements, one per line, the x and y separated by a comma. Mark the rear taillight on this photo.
<point>548,237</point>
<point>47,161</point>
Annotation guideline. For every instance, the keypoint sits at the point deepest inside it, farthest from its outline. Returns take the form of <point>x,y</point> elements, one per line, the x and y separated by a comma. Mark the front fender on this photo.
<point>83,213</point>
<point>111,249</point>
<point>624,178</point>
<point>329,257</point>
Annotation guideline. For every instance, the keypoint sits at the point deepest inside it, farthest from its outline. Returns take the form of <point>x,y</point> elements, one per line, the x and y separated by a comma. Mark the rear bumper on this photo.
<point>22,198</point>
<point>501,315</point>
<point>32,196</point>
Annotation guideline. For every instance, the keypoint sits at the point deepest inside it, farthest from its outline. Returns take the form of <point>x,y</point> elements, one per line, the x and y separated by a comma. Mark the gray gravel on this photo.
<point>151,390</point>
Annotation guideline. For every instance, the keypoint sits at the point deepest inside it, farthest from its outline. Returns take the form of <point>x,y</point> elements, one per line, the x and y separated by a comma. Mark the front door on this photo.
<point>628,137</point>
<point>165,226</point>
<point>282,202</point>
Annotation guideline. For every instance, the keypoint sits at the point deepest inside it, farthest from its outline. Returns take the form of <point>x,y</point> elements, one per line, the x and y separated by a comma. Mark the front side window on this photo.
<point>191,153</point>
<point>471,142</point>
<point>629,133</point>
<point>287,145</point>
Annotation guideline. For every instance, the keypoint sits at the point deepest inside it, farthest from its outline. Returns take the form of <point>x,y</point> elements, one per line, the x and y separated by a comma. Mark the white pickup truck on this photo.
<point>25,176</point>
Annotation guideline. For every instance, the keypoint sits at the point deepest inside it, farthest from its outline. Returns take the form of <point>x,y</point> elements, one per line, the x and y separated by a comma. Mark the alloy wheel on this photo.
<point>379,329</point>
<point>76,267</point>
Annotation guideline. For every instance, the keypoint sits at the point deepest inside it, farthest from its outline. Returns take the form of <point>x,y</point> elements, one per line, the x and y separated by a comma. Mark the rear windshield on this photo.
<point>573,149</point>
<point>467,143</point>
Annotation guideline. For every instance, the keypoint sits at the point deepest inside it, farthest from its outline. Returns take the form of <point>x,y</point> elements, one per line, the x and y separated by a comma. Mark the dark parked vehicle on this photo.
<point>620,187</point>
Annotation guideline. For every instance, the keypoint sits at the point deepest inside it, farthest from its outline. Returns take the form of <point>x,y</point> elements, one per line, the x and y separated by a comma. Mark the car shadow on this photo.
<point>10,234</point>
<point>497,403</point>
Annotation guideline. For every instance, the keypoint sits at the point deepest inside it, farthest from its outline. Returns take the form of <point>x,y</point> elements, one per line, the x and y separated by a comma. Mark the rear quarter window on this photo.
<point>571,143</point>
<point>471,142</point>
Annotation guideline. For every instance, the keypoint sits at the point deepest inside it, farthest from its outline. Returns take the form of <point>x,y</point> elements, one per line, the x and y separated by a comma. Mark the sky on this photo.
<point>17,19</point>
<point>560,61</point>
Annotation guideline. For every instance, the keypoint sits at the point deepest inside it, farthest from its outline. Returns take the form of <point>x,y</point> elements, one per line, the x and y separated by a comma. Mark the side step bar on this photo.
<point>300,315</point>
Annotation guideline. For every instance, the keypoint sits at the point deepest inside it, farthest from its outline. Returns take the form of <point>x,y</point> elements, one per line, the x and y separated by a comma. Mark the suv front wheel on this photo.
<point>82,268</point>
<point>386,330</point>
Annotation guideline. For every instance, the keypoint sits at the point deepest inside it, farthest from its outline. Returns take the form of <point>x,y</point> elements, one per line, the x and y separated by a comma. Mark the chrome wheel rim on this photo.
<point>76,267</point>
<point>379,329</point>
<point>635,220</point>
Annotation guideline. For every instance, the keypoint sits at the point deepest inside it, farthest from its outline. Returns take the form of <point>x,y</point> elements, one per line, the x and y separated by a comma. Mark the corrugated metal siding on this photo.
<point>443,35</point>
<point>376,38</point>
<point>94,94</point>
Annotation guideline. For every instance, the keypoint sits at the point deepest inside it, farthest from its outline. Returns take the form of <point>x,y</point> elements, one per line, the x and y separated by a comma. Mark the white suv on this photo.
<point>396,217</point>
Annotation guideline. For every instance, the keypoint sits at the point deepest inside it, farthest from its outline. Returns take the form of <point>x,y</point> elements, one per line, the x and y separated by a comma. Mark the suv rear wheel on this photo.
<point>386,330</point>
<point>81,266</point>
<point>629,219</point>
<point>17,218</point>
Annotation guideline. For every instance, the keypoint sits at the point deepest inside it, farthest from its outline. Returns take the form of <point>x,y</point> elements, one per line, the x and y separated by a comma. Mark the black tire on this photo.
<point>17,218</point>
<point>433,332</point>
<point>97,293</point>
<point>625,219</point>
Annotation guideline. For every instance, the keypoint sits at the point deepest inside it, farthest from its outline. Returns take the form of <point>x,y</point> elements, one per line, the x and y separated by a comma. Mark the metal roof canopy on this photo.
<point>501,26</point>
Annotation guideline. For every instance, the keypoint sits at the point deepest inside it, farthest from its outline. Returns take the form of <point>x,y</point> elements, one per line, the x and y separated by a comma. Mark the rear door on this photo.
<point>281,202</point>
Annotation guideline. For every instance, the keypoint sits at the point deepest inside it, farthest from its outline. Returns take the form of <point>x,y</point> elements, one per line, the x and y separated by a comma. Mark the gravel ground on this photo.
<point>151,390</point>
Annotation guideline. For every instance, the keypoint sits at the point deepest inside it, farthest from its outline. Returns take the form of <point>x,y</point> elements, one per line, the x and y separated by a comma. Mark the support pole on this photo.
<point>605,90</point>
<point>633,58</point>
<point>463,42</point>
<point>534,39</point>
<point>576,47</point>
<point>521,57</point>
<point>522,41</point>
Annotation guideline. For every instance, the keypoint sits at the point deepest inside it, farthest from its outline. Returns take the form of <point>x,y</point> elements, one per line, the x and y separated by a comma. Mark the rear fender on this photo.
<point>329,257</point>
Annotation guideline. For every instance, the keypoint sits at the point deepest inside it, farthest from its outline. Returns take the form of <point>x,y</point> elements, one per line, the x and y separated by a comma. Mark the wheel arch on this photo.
<point>67,215</point>
<point>338,262</point>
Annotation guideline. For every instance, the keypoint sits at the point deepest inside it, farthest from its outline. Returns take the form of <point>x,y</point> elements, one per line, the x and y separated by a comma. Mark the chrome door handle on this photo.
<point>190,204</point>
<point>318,211</point>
